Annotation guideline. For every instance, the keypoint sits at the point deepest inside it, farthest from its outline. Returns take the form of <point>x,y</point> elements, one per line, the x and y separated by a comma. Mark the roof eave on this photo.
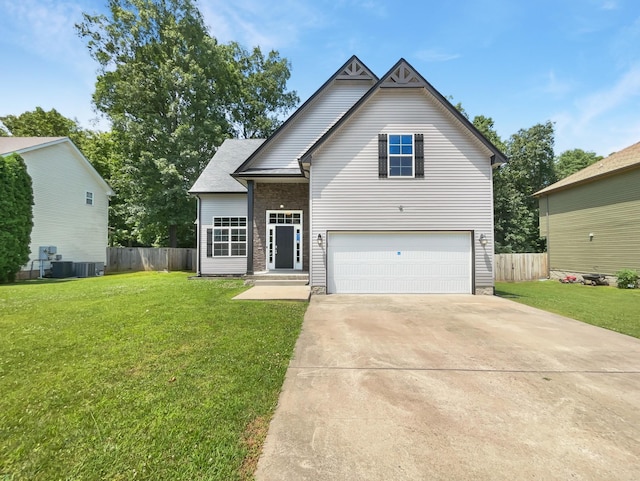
<point>552,190</point>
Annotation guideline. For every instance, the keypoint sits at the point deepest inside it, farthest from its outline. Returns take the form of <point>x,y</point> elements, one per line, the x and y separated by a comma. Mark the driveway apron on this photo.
<point>454,388</point>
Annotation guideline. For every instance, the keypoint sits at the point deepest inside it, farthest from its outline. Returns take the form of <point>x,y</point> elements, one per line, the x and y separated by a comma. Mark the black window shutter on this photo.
<point>209,242</point>
<point>419,146</point>
<point>382,155</point>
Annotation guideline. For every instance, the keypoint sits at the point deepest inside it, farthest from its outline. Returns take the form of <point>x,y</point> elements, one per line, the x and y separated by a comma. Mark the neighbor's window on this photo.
<point>229,236</point>
<point>89,198</point>
<point>400,155</point>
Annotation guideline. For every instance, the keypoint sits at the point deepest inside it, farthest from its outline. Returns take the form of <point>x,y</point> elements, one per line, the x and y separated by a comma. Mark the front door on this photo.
<point>284,247</point>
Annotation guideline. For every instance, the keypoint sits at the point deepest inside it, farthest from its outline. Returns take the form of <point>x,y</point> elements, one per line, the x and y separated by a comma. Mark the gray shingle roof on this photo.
<point>16,144</point>
<point>216,177</point>
<point>619,161</point>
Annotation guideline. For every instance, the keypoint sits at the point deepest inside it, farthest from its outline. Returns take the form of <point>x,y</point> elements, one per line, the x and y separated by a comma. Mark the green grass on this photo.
<point>138,376</point>
<point>608,307</point>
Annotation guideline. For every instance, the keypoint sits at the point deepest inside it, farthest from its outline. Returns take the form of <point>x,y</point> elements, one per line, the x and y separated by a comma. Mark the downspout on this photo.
<point>250,227</point>
<point>199,237</point>
<point>548,243</point>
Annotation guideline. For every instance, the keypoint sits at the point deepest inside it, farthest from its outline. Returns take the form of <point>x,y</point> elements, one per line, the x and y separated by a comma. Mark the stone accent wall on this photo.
<point>318,290</point>
<point>485,291</point>
<point>269,196</point>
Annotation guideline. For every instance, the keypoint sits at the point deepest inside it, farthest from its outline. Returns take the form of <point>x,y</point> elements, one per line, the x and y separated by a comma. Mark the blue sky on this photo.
<point>521,62</point>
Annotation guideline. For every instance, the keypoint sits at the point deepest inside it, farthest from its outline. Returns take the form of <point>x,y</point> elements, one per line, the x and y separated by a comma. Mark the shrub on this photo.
<point>627,279</point>
<point>16,216</point>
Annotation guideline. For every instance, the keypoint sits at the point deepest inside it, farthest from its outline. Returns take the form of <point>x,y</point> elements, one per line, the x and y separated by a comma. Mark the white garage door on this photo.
<point>399,262</point>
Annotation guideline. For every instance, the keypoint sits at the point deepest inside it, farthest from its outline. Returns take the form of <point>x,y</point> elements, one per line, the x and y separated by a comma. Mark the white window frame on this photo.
<point>413,156</point>
<point>88,198</point>
<point>298,239</point>
<point>228,229</point>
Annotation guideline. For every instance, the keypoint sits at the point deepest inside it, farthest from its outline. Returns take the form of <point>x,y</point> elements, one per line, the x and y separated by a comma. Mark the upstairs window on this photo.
<point>400,155</point>
<point>88,198</point>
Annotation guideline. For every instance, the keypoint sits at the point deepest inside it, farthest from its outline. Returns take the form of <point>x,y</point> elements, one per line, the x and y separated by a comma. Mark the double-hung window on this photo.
<point>229,236</point>
<point>401,155</point>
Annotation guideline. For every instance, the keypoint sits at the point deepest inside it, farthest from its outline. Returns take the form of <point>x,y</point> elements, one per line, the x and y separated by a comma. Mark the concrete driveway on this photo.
<point>454,388</point>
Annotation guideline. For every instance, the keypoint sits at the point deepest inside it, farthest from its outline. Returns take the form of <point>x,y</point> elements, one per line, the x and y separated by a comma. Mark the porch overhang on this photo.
<point>289,175</point>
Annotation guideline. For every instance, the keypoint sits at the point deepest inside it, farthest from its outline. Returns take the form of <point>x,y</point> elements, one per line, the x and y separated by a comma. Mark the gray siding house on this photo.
<point>374,185</point>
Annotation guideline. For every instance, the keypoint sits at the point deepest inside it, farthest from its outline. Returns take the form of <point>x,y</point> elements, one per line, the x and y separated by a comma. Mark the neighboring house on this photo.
<point>71,200</point>
<point>374,185</point>
<point>591,219</point>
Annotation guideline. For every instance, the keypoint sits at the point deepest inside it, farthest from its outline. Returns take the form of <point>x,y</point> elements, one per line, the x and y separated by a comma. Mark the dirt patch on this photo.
<point>253,438</point>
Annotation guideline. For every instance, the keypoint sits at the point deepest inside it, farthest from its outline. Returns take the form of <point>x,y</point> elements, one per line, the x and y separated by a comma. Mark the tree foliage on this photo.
<point>571,161</point>
<point>258,99</point>
<point>16,221</point>
<point>530,168</point>
<point>42,123</point>
<point>173,94</point>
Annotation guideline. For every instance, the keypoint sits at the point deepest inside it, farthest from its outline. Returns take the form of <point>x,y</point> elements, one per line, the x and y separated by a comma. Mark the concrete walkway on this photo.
<point>274,293</point>
<point>454,388</point>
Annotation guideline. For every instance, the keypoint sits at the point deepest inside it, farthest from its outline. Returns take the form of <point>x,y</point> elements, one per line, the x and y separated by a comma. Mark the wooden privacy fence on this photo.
<point>133,259</point>
<point>521,267</point>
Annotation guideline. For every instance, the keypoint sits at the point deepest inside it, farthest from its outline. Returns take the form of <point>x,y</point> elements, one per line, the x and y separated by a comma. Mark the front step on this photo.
<point>280,282</point>
<point>278,278</point>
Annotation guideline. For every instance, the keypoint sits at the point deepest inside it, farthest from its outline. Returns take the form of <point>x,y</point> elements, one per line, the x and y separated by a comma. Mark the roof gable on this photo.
<point>23,145</point>
<point>628,158</point>
<point>352,70</point>
<point>403,75</point>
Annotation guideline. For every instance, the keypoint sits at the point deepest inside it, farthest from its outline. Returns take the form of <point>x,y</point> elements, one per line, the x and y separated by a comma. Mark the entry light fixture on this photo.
<point>319,240</point>
<point>483,240</point>
<point>590,236</point>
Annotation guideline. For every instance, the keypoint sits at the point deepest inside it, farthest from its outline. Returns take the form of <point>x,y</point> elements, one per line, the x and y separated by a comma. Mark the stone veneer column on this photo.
<point>270,196</point>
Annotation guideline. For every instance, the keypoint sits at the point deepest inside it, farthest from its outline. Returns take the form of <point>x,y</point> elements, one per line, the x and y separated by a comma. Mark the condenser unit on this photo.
<point>85,269</point>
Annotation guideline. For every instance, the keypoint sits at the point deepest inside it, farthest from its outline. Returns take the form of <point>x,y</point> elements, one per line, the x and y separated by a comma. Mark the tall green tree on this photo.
<point>161,83</point>
<point>258,100</point>
<point>571,161</point>
<point>167,87</point>
<point>16,220</point>
<point>530,168</point>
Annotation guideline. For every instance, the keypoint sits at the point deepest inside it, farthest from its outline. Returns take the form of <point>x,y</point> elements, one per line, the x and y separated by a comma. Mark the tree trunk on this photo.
<point>173,235</point>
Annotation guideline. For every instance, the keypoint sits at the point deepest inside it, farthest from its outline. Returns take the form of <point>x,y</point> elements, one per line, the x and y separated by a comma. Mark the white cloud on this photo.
<point>555,86</point>
<point>44,27</point>
<point>603,121</point>
<point>436,55</point>
<point>626,88</point>
<point>270,25</point>
<point>609,5</point>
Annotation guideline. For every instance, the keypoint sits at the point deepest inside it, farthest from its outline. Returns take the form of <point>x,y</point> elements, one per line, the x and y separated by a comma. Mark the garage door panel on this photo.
<point>399,262</point>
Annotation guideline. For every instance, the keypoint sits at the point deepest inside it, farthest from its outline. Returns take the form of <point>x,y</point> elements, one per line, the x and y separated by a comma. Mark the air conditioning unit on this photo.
<point>88,269</point>
<point>85,269</point>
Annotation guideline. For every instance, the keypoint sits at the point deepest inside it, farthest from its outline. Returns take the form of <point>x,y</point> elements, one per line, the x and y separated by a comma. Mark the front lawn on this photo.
<point>138,376</point>
<point>608,307</point>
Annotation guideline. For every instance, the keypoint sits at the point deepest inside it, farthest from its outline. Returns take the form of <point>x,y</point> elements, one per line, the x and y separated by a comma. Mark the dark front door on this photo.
<point>284,247</point>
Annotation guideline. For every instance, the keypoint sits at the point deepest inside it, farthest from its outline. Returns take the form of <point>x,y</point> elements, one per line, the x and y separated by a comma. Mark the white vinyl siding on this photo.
<point>399,262</point>
<point>321,114</point>
<point>61,217</point>
<point>455,195</point>
<point>220,205</point>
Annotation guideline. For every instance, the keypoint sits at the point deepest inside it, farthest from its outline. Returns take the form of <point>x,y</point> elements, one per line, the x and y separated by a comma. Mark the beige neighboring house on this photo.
<point>591,219</point>
<point>71,201</point>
